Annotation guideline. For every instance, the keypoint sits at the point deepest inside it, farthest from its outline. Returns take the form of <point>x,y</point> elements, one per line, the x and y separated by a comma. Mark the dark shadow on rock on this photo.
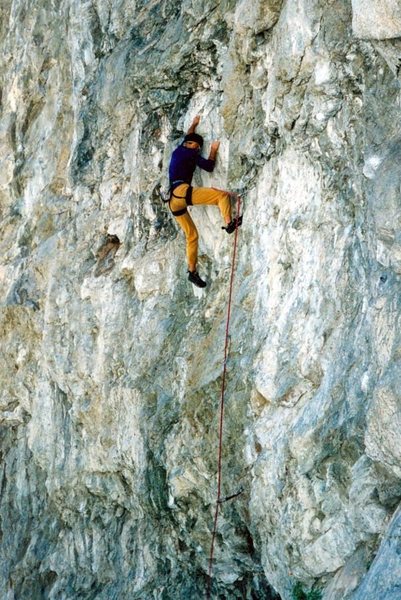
<point>105,255</point>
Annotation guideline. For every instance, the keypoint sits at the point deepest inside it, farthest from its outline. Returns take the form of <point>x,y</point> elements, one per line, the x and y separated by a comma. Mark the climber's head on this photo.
<point>193,141</point>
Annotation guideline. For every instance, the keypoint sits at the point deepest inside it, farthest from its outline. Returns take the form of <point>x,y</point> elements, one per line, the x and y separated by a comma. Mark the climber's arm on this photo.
<point>214,148</point>
<point>194,124</point>
<point>208,164</point>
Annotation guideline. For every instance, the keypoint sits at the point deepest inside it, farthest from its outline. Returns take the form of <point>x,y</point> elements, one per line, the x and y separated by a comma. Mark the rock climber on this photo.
<point>184,160</point>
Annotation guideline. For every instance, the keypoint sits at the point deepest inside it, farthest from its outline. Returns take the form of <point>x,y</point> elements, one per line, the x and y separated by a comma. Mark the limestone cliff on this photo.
<point>111,361</point>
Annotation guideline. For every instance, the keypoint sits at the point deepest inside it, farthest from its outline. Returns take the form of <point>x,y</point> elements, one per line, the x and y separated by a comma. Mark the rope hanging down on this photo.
<point>219,500</point>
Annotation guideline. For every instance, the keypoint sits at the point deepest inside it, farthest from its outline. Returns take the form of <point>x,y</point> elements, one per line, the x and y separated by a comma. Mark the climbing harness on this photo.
<point>188,197</point>
<point>219,499</point>
<point>188,200</point>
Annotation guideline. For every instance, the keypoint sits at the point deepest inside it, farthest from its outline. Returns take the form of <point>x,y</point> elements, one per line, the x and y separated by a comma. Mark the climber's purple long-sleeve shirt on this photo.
<point>183,164</point>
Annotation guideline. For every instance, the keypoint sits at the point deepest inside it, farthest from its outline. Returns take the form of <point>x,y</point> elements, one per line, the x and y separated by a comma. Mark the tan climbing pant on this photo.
<point>207,196</point>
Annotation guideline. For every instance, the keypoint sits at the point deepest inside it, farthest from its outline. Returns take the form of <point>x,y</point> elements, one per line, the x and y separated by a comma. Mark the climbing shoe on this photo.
<point>233,224</point>
<point>194,278</point>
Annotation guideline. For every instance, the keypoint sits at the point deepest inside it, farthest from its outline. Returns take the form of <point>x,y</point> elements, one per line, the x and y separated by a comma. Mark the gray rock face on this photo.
<point>111,361</point>
<point>384,577</point>
<point>376,19</point>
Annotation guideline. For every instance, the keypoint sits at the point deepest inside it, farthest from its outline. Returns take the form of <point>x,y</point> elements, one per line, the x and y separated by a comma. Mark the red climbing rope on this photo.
<point>223,387</point>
